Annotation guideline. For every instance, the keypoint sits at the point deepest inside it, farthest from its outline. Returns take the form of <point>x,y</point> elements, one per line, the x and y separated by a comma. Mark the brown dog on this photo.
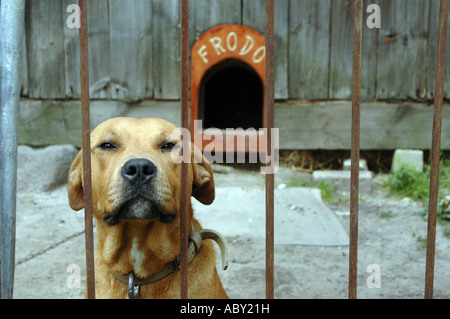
<point>136,196</point>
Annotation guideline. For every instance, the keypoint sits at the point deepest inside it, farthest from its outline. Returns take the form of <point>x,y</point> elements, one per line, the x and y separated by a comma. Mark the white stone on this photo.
<point>348,165</point>
<point>411,158</point>
<point>41,170</point>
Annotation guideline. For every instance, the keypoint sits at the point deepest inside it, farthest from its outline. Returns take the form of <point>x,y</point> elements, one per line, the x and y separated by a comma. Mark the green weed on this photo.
<point>406,182</point>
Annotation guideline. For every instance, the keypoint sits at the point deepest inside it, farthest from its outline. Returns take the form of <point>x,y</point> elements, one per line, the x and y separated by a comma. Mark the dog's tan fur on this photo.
<point>143,246</point>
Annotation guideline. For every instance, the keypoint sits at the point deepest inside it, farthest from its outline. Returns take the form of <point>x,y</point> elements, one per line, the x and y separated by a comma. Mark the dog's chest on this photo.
<point>136,256</point>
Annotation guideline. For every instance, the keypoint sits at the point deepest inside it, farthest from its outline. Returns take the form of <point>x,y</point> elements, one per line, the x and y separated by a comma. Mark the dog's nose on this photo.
<point>139,170</point>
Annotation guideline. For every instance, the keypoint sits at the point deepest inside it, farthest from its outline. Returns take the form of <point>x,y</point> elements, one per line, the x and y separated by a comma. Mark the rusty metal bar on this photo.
<point>87,183</point>
<point>11,48</point>
<point>355,141</point>
<point>269,96</point>
<point>184,197</point>
<point>436,148</point>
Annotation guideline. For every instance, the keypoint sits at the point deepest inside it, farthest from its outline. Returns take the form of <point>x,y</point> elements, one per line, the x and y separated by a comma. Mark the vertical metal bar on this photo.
<point>87,183</point>
<point>354,186</point>
<point>184,197</point>
<point>12,28</point>
<point>269,96</point>
<point>436,148</point>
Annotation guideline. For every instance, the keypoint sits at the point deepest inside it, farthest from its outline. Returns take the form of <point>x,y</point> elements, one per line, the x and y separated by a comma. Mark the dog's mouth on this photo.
<point>139,208</point>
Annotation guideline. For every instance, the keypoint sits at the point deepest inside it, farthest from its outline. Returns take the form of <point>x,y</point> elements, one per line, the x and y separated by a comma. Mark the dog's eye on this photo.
<point>168,146</point>
<point>107,146</point>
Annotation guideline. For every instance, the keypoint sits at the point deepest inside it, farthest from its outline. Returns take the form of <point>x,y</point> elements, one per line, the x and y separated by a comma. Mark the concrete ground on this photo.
<point>311,242</point>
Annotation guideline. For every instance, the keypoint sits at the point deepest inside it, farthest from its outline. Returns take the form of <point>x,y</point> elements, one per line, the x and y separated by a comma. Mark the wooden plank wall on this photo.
<point>134,48</point>
<point>402,47</point>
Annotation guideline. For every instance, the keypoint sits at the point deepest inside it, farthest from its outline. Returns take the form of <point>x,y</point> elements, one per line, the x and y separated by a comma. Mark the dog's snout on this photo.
<point>139,170</point>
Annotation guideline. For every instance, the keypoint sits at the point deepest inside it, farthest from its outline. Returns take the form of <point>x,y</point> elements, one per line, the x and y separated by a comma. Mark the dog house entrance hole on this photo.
<point>231,96</point>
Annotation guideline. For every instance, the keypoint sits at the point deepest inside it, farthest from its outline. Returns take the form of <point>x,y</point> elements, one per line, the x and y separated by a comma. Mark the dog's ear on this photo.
<point>203,181</point>
<point>75,183</point>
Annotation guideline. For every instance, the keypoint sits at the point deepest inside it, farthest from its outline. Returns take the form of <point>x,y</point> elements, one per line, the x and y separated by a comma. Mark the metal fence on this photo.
<point>9,156</point>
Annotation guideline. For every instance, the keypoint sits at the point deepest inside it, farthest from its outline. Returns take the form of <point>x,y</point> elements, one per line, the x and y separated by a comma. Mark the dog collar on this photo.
<point>195,242</point>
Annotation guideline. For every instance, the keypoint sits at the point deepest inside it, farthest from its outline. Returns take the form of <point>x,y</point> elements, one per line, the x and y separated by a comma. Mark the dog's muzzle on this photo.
<point>138,174</point>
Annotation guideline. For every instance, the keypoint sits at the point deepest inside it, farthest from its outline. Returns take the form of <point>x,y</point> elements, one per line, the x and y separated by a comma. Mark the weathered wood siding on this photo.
<point>134,48</point>
<point>134,55</point>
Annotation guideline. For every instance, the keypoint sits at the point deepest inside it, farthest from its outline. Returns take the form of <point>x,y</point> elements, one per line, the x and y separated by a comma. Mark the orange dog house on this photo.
<point>228,75</point>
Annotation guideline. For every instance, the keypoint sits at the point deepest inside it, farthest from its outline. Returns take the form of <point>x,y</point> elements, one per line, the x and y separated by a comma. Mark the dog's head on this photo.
<point>134,174</point>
